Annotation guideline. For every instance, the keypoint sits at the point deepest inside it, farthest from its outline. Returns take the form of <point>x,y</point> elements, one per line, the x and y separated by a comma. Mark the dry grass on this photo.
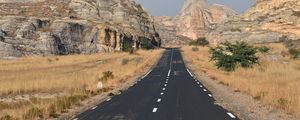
<point>66,77</point>
<point>275,82</point>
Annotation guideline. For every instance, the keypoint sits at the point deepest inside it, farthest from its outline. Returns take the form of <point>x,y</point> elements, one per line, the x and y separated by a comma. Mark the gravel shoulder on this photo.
<point>241,104</point>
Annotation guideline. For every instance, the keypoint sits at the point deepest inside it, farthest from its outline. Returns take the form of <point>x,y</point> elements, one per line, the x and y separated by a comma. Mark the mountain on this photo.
<point>60,27</point>
<point>196,19</point>
<point>267,21</point>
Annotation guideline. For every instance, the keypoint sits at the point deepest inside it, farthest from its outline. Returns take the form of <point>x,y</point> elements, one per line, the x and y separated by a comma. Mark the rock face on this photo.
<point>61,27</point>
<point>197,18</point>
<point>268,21</point>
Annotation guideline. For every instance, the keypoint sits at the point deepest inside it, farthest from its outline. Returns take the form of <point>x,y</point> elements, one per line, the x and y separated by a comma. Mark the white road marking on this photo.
<point>75,119</point>
<point>201,86</point>
<point>169,72</point>
<point>166,82</point>
<point>108,99</point>
<point>198,83</point>
<point>164,89</point>
<point>190,72</point>
<point>231,115</point>
<point>162,93</point>
<point>94,108</point>
<point>158,100</point>
<point>209,95</point>
<point>147,74</point>
<point>165,85</point>
<point>204,90</point>
<point>154,110</point>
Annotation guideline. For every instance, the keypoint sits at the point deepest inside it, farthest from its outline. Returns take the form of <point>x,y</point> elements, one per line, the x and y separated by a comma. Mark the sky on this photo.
<point>172,7</point>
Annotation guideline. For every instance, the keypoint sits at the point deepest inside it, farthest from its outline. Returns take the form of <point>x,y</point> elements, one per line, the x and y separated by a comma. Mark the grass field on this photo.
<point>275,81</point>
<point>43,87</point>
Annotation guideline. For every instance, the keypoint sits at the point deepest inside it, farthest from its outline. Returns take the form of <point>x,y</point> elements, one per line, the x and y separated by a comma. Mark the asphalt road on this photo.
<point>168,92</point>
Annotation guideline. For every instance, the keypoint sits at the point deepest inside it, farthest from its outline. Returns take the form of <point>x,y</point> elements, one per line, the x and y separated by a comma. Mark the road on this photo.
<point>167,92</point>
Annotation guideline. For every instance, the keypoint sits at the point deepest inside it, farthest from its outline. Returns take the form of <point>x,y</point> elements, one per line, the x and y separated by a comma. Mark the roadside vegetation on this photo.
<point>271,73</point>
<point>45,87</point>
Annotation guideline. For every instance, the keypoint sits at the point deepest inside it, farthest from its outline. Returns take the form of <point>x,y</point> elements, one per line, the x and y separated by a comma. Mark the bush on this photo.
<point>107,75</point>
<point>125,61</point>
<point>199,42</point>
<point>264,49</point>
<point>228,56</point>
<point>127,47</point>
<point>294,53</point>
<point>195,49</point>
<point>145,43</point>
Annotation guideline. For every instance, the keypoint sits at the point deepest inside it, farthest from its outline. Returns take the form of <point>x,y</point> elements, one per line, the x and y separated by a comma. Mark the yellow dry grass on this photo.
<point>274,82</point>
<point>69,75</point>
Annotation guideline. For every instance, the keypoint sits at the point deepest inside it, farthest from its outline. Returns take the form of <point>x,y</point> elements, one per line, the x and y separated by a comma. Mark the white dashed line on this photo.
<point>198,83</point>
<point>166,82</point>
<point>94,108</point>
<point>189,72</point>
<point>209,95</point>
<point>165,85</point>
<point>231,115</point>
<point>159,100</point>
<point>154,110</point>
<point>201,86</point>
<point>164,89</point>
<point>204,90</point>
<point>169,72</point>
<point>108,99</point>
<point>162,93</point>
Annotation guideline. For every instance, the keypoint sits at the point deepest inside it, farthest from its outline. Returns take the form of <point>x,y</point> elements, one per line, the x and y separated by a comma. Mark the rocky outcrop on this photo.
<point>60,27</point>
<point>268,21</point>
<point>197,18</point>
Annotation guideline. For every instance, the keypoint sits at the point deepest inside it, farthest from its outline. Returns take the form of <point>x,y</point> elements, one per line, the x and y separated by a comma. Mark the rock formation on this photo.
<point>195,20</point>
<point>60,27</point>
<point>268,21</point>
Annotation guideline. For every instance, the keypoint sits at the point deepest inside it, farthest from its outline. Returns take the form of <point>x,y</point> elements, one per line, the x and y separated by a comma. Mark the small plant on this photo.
<point>106,76</point>
<point>264,49</point>
<point>294,53</point>
<point>33,113</point>
<point>195,49</point>
<point>228,56</point>
<point>282,102</point>
<point>125,61</point>
<point>127,47</point>
<point>199,42</point>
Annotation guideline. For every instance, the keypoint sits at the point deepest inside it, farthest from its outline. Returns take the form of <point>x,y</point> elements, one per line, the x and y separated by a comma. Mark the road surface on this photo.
<point>167,92</point>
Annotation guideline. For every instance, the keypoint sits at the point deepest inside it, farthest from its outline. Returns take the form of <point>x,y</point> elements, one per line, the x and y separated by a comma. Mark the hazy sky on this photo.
<point>172,7</point>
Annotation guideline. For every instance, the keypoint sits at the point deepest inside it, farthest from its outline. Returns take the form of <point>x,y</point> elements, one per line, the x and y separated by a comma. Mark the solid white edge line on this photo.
<point>159,100</point>
<point>154,110</point>
<point>108,99</point>
<point>169,73</point>
<point>201,86</point>
<point>231,115</point>
<point>189,72</point>
<point>209,95</point>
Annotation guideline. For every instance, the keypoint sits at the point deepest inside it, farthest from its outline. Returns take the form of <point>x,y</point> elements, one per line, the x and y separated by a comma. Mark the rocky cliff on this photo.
<point>267,21</point>
<point>195,20</point>
<point>45,27</point>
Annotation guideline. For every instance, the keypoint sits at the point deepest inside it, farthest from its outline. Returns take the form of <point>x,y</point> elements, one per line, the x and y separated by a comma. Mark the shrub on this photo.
<point>264,49</point>
<point>145,43</point>
<point>228,56</point>
<point>195,49</point>
<point>127,47</point>
<point>199,42</point>
<point>294,53</point>
<point>106,75</point>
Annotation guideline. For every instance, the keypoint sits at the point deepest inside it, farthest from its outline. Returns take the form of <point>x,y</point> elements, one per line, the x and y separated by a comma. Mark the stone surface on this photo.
<point>268,21</point>
<point>61,27</point>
